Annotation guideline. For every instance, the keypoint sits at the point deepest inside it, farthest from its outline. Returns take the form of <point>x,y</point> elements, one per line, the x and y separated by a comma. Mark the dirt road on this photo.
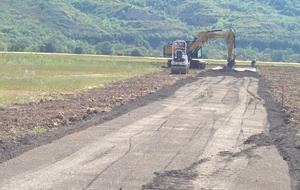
<point>201,137</point>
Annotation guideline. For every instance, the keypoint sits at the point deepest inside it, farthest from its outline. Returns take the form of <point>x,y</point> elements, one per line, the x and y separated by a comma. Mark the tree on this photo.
<point>136,52</point>
<point>78,50</point>
<point>19,47</point>
<point>105,48</point>
<point>277,56</point>
<point>48,47</point>
<point>3,46</point>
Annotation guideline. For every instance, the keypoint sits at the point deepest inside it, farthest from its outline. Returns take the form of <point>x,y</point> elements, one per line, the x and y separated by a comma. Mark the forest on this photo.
<point>267,30</point>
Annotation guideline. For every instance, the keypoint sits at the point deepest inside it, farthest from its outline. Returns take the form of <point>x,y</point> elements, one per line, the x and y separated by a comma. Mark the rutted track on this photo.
<point>192,139</point>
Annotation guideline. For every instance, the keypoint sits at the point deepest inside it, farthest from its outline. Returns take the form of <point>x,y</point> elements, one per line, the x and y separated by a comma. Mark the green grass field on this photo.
<point>26,77</point>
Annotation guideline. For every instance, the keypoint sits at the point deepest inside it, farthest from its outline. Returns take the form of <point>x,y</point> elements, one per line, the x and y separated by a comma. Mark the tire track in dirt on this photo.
<point>113,163</point>
<point>222,164</point>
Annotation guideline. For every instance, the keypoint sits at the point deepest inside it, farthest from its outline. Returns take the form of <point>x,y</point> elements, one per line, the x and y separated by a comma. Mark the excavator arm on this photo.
<point>230,47</point>
<point>203,37</point>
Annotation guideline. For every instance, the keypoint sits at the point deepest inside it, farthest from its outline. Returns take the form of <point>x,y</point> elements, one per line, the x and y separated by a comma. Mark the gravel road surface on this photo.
<point>201,137</point>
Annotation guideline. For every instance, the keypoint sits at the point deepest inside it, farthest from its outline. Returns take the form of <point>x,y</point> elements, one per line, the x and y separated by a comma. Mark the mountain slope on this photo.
<point>266,29</point>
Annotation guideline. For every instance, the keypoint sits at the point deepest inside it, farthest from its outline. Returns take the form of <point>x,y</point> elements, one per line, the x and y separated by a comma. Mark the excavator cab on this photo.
<point>195,52</point>
<point>199,52</point>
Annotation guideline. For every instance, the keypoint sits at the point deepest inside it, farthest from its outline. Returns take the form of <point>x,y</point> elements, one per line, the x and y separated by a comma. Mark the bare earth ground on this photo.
<point>65,114</point>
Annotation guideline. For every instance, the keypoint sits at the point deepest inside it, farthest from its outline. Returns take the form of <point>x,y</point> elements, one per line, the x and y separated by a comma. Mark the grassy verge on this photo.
<point>26,77</point>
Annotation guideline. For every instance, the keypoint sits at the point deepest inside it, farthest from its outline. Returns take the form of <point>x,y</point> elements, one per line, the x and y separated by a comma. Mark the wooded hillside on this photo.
<point>268,30</point>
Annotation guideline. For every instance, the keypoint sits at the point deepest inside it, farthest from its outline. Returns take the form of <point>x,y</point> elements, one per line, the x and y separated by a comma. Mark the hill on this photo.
<point>267,30</point>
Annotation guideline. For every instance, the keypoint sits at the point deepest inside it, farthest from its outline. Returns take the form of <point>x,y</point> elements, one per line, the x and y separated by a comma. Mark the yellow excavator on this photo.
<point>194,48</point>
